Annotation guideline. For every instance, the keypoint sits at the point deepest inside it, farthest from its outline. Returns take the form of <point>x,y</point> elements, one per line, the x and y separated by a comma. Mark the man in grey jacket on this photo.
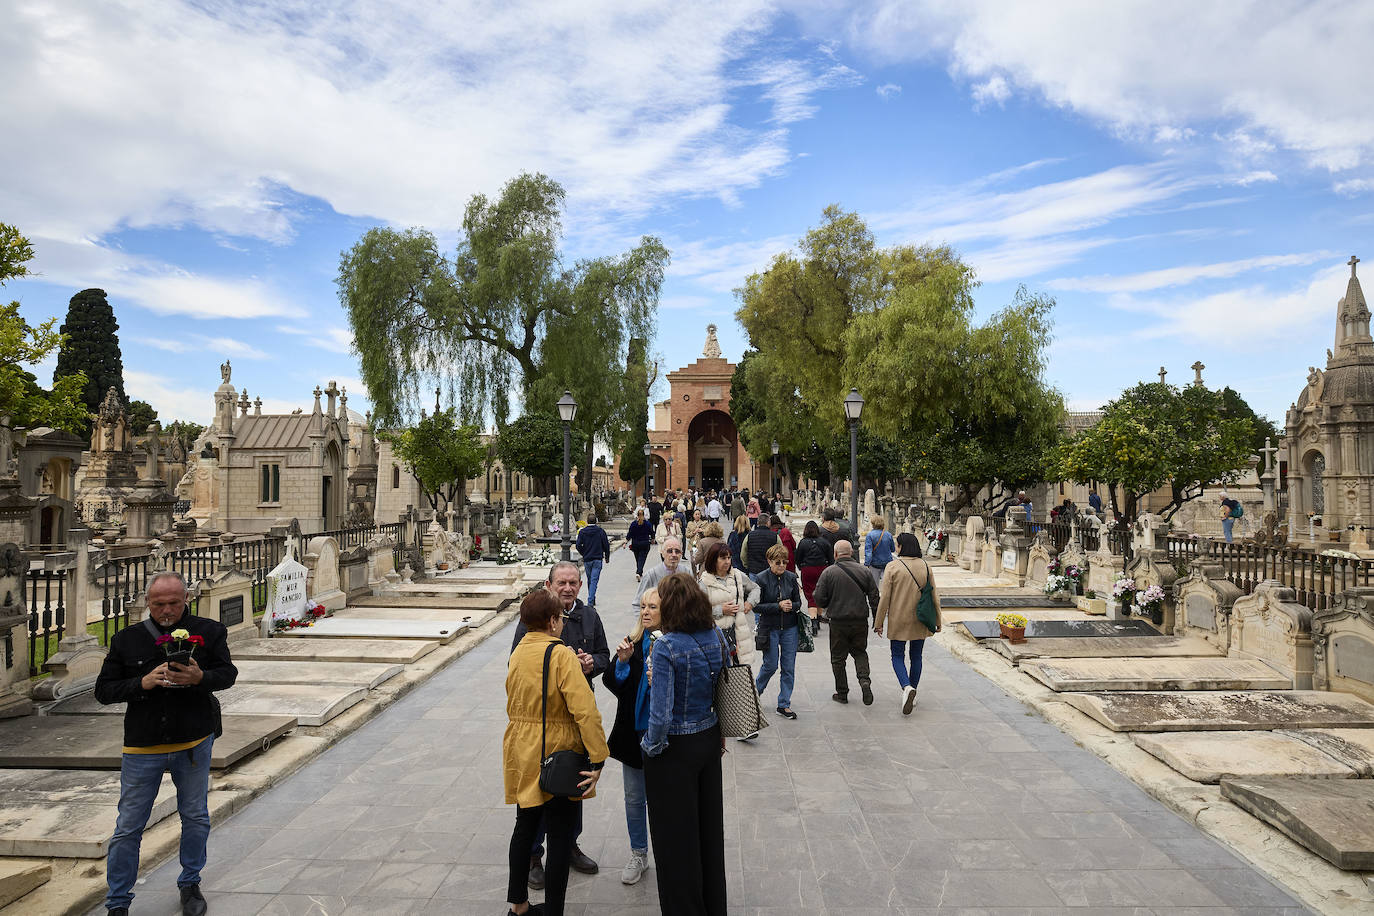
<point>671,552</point>
<point>847,594</point>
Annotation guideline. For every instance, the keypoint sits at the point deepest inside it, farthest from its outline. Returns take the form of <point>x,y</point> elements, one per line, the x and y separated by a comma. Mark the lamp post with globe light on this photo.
<point>567,412</point>
<point>853,408</point>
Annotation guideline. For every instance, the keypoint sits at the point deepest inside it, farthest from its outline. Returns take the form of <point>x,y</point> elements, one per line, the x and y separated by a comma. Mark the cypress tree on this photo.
<point>92,347</point>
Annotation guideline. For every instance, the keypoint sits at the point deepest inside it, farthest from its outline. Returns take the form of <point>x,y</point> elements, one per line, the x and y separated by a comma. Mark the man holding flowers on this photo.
<point>166,669</point>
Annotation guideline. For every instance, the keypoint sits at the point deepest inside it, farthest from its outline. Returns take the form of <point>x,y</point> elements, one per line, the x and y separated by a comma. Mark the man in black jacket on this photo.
<point>583,631</point>
<point>756,546</point>
<point>848,594</point>
<point>171,723</point>
<point>595,550</point>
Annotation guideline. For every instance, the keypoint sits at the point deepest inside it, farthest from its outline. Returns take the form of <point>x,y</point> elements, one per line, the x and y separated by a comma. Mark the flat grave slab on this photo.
<point>1333,818</point>
<point>1001,601</point>
<point>1080,674</point>
<point>473,618</point>
<point>315,704</point>
<point>1353,747</point>
<point>449,602</point>
<point>376,628</point>
<point>310,673</point>
<point>18,878</point>
<point>1059,629</point>
<point>453,592</point>
<point>96,742</point>
<point>1106,647</point>
<point>1212,756</point>
<point>1143,711</point>
<point>66,813</point>
<point>382,651</point>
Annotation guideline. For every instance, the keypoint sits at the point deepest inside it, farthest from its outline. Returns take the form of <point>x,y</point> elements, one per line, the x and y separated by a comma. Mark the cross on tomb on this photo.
<point>1197,368</point>
<point>1268,452</point>
<point>1352,262</point>
<point>1162,373</point>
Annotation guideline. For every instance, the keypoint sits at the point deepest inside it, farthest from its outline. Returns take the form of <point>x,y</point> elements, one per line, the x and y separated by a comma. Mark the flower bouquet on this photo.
<point>178,646</point>
<point>1150,603</point>
<point>509,553</point>
<point>1123,593</point>
<point>1060,585</point>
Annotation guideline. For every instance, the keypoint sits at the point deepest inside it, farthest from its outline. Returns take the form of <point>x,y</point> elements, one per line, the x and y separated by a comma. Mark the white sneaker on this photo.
<point>908,701</point>
<point>635,868</point>
<point>749,737</point>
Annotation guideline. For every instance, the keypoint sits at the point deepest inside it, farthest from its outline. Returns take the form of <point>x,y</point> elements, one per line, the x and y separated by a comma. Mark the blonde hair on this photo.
<point>775,553</point>
<point>638,632</point>
<point>742,525</point>
<point>713,530</point>
<point>879,522</point>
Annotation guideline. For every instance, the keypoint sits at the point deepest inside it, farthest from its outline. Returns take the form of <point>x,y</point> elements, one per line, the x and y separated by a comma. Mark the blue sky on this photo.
<point>1187,182</point>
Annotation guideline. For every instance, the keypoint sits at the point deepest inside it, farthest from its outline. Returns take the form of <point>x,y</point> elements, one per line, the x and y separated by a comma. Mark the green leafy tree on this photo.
<point>1233,406</point>
<point>1158,436</point>
<point>185,430</point>
<point>91,346</point>
<point>533,444</point>
<point>21,344</point>
<point>141,416</point>
<point>442,454</point>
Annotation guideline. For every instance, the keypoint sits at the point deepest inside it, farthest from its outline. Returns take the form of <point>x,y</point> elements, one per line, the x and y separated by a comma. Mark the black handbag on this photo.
<point>560,772</point>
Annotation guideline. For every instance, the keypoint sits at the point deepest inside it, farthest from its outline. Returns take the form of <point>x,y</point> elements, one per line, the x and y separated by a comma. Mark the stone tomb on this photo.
<point>1271,626</point>
<point>1210,757</point>
<point>305,650</point>
<point>1039,629</point>
<point>308,673</point>
<point>322,566</point>
<point>450,602</point>
<point>375,628</point>
<point>973,542</point>
<point>312,704</point>
<point>227,596</point>
<point>1105,647</point>
<point>1144,711</point>
<point>1333,818</point>
<point>66,814</point>
<point>285,592</point>
<point>1343,644</point>
<point>96,742</point>
<point>1038,563</point>
<point>1205,599</point>
<point>1065,674</point>
<point>472,619</point>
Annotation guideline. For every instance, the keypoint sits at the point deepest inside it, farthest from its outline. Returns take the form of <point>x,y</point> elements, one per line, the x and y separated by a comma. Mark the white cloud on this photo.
<point>220,346</point>
<point>1256,177</point>
<point>723,266</point>
<point>888,91</point>
<point>171,397</point>
<point>1186,274</point>
<point>336,340</point>
<point>1353,186</point>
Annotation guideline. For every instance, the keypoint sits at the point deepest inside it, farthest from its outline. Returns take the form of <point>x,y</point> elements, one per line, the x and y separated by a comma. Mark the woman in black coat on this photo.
<point>638,539</point>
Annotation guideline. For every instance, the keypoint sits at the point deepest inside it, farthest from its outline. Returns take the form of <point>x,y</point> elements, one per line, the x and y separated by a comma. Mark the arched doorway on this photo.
<point>332,492</point>
<point>1316,475</point>
<point>711,444</point>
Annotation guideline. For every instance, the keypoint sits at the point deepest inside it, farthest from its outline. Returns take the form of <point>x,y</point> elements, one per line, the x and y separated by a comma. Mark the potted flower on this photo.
<point>1058,586</point>
<point>1150,603</point>
<point>1013,627</point>
<point>1123,596</point>
<point>509,553</point>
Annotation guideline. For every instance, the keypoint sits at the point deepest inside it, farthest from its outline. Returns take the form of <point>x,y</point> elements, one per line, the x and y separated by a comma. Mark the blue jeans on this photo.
<point>904,678</point>
<point>139,778</point>
<point>1226,525</point>
<point>593,568</point>
<point>636,809</point>
<point>780,643</point>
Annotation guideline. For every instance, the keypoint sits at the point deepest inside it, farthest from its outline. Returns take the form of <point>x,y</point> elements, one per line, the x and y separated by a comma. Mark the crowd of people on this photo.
<point>751,595</point>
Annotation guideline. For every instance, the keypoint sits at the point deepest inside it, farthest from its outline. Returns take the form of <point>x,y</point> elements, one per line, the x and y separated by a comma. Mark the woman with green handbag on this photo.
<point>910,606</point>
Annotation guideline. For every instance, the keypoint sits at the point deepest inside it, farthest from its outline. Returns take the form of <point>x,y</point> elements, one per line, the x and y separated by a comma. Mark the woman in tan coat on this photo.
<point>906,575</point>
<point>573,724</point>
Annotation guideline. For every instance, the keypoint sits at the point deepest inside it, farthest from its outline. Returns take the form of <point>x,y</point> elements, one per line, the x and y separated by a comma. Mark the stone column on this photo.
<point>14,669</point>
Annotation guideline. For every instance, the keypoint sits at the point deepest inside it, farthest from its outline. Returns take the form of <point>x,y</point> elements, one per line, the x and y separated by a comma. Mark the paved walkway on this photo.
<point>972,804</point>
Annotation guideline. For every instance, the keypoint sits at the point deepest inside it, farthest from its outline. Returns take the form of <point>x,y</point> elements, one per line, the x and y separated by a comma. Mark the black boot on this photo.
<point>192,903</point>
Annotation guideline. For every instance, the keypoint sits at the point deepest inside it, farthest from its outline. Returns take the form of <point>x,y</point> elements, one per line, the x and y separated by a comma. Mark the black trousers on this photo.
<point>849,637</point>
<point>559,816</point>
<point>687,824</point>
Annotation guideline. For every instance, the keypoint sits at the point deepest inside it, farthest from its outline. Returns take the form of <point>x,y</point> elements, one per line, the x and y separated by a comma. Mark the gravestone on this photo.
<point>227,596</point>
<point>1209,757</point>
<point>1129,673</point>
<point>1152,567</point>
<point>973,542</point>
<point>1331,817</point>
<point>1205,599</point>
<point>353,572</point>
<point>1062,629</point>
<point>322,565</point>
<point>1038,564</point>
<point>1343,644</point>
<point>1222,710</point>
<point>381,565</point>
<point>285,592</point>
<point>991,554</point>
<point>1271,626</point>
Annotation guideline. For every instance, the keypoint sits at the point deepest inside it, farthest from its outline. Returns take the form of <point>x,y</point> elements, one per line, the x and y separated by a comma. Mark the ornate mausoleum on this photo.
<point>1329,437</point>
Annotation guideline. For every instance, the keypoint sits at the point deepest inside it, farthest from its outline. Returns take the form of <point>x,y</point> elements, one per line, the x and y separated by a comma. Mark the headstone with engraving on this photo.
<point>286,599</point>
<point>1204,600</point>
<point>1343,644</point>
<point>1271,626</point>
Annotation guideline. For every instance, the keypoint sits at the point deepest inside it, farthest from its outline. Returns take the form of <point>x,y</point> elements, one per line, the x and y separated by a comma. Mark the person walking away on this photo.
<point>848,595</point>
<point>776,632</point>
<point>672,556</point>
<point>1094,500</point>
<point>711,534</point>
<point>167,670</point>
<point>831,528</point>
<point>655,514</point>
<point>756,546</point>
<point>638,539</point>
<point>785,538</point>
<point>595,550</point>
<point>628,679</point>
<point>901,592</point>
<point>737,506</point>
<point>732,595</point>
<point>1230,511</point>
<point>878,547</point>
<point>736,541</point>
<point>814,554</point>
<point>682,751</point>
<point>585,634</point>
<point>566,703</point>
<point>752,510</point>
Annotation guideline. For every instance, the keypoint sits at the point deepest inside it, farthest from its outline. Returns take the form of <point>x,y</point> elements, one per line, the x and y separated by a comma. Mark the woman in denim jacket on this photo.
<point>682,750</point>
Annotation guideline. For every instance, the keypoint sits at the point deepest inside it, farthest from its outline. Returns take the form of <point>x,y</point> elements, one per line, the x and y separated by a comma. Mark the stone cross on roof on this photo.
<point>1197,368</point>
<point>1352,262</point>
<point>1162,373</point>
<point>1269,452</point>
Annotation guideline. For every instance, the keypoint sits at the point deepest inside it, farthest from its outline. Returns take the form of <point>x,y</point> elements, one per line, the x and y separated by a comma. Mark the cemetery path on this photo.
<point>971,804</point>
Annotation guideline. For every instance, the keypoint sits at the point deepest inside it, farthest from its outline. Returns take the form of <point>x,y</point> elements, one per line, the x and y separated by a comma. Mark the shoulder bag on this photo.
<point>925,605</point>
<point>736,699</point>
<point>560,772</point>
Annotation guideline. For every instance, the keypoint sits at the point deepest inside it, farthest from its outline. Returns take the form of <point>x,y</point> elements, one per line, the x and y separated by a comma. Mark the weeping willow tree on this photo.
<point>503,319</point>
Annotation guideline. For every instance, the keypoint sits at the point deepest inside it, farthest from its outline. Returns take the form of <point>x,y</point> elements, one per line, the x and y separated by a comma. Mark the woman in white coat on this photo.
<point>732,595</point>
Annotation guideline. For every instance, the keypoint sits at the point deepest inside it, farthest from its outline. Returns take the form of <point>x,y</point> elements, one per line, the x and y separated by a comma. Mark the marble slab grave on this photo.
<point>998,601</point>
<point>19,878</point>
<point>1206,710</point>
<point>1210,757</point>
<point>1058,629</point>
<point>313,704</point>
<point>1332,817</point>
<point>1080,674</point>
<point>1106,647</point>
<point>311,672</point>
<point>66,813</point>
<point>375,628</point>
<point>96,742</point>
<point>381,651</point>
<point>1353,747</point>
<point>473,618</point>
<point>461,603</point>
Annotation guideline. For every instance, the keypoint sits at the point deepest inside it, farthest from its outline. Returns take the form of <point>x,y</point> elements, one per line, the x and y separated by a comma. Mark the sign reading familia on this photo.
<point>285,593</point>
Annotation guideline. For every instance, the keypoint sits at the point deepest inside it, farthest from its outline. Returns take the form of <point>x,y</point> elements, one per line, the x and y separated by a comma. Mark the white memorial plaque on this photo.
<point>1009,560</point>
<point>285,593</point>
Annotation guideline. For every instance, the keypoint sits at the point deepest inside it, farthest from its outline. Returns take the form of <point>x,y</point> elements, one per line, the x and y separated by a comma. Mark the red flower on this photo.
<point>162,640</point>
<point>196,640</point>
<point>318,610</point>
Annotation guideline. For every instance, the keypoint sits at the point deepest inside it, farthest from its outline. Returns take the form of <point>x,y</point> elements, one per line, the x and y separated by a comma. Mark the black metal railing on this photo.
<point>121,582</point>
<point>347,538</point>
<point>46,604</point>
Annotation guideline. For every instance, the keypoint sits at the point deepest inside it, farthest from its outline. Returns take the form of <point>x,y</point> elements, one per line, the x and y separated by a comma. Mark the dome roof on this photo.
<point>1350,384</point>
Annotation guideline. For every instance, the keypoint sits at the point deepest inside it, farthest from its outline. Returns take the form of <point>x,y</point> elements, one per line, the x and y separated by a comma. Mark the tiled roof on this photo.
<point>272,431</point>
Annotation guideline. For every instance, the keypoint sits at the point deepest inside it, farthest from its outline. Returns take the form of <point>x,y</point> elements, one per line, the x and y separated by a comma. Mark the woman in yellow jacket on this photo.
<point>573,724</point>
<point>906,575</point>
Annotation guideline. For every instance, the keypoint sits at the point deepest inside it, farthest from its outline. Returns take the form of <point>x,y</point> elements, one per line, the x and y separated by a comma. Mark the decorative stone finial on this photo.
<point>318,392</point>
<point>1352,262</point>
<point>257,406</point>
<point>1197,368</point>
<point>1162,372</point>
<point>712,348</point>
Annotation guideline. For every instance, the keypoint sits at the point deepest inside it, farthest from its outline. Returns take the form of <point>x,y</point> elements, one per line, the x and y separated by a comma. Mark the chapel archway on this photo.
<point>711,446</point>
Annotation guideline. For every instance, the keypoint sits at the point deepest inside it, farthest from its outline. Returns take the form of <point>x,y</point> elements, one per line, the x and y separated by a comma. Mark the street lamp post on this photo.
<point>648,475</point>
<point>670,473</point>
<point>775,466</point>
<point>853,407</point>
<point>567,411</point>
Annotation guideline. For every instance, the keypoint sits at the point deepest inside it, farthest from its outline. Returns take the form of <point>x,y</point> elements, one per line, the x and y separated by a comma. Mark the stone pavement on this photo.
<point>972,804</point>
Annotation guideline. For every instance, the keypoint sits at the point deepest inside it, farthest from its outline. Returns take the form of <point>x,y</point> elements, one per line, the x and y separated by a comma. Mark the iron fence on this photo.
<point>47,609</point>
